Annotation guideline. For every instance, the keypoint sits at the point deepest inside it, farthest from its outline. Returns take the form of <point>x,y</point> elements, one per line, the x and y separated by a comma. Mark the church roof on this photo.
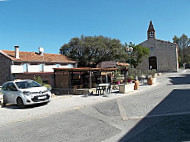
<point>159,40</point>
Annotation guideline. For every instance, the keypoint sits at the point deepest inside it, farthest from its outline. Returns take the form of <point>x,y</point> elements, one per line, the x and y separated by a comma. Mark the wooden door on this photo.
<point>152,63</point>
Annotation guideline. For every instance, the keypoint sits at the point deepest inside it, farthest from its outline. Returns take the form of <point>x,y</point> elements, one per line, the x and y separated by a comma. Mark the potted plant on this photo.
<point>116,78</point>
<point>151,79</point>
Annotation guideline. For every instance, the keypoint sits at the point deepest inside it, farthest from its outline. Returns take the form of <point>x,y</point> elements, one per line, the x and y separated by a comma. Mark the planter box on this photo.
<point>124,88</point>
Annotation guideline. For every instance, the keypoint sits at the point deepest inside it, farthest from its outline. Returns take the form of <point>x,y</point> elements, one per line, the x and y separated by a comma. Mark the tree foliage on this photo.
<point>183,43</point>
<point>88,50</point>
<point>138,53</point>
<point>91,50</point>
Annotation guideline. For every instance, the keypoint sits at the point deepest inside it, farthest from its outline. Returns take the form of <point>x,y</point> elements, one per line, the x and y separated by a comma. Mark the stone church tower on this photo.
<point>163,55</point>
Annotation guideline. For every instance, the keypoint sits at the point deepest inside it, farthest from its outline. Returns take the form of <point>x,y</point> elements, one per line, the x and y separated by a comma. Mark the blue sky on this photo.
<point>52,23</point>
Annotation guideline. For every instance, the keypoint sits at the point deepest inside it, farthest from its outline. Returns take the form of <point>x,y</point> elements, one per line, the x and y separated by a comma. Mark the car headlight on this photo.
<point>26,93</point>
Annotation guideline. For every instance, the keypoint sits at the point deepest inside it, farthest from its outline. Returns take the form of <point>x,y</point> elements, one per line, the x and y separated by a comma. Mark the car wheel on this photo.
<point>20,103</point>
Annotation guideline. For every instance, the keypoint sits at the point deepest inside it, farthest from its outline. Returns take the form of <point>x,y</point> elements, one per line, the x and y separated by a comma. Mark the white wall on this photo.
<point>36,68</point>
<point>49,68</point>
<point>17,69</point>
<point>66,66</point>
<point>33,68</point>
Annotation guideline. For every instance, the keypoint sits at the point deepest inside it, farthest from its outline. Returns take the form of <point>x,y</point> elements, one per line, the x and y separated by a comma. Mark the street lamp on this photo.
<point>129,50</point>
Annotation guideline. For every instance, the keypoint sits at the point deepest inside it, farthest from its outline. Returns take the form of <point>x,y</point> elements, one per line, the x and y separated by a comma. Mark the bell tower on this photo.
<point>151,31</point>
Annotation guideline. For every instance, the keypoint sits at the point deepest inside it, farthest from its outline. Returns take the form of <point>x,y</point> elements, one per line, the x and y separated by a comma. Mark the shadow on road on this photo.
<point>168,121</point>
<point>184,79</point>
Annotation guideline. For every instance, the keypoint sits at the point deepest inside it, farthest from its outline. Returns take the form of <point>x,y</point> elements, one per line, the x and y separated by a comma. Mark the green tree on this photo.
<point>183,43</point>
<point>138,53</point>
<point>91,50</point>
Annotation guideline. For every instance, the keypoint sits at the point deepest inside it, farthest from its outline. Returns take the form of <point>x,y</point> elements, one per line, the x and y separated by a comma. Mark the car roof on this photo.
<point>22,80</point>
<point>18,80</point>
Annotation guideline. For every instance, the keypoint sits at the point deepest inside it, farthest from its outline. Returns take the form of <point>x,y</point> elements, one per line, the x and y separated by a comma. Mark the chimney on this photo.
<point>17,52</point>
<point>41,51</point>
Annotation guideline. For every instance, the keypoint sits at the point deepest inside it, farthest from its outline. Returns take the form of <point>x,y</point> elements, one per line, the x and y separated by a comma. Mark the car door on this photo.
<point>12,93</point>
<point>4,91</point>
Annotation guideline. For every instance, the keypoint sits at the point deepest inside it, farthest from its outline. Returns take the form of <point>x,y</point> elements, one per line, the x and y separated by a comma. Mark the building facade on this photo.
<point>25,65</point>
<point>163,55</point>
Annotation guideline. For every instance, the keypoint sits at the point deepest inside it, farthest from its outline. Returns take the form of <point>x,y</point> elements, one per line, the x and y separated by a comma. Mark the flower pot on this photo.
<point>118,82</point>
<point>136,87</point>
<point>151,80</point>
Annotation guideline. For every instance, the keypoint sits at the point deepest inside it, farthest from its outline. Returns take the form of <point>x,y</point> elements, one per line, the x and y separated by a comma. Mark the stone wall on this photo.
<point>165,52</point>
<point>5,71</point>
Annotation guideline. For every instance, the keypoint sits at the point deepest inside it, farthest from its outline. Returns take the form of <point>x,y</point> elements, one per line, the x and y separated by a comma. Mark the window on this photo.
<point>27,84</point>
<point>57,65</point>
<point>151,48</point>
<point>4,88</point>
<point>11,87</point>
<point>25,67</point>
<point>41,67</point>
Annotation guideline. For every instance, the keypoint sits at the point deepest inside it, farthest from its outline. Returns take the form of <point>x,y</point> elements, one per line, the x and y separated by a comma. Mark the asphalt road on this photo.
<point>161,113</point>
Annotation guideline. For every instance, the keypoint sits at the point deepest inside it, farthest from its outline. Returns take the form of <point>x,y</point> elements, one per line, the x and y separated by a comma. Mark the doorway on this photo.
<point>152,63</point>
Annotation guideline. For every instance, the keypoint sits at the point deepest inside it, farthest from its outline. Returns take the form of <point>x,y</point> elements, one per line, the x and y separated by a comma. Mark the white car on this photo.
<point>24,92</point>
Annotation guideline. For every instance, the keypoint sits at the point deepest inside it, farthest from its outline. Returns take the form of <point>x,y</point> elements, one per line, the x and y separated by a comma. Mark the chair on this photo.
<point>109,88</point>
<point>98,90</point>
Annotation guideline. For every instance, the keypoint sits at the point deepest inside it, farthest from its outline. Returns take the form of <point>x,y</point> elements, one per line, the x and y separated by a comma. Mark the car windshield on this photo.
<point>27,84</point>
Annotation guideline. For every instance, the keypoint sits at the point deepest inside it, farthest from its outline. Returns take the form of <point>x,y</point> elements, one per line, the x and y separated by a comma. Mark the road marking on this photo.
<point>122,110</point>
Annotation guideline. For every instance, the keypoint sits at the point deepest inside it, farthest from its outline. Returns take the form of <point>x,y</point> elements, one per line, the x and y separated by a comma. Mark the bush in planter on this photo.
<point>116,77</point>
<point>130,78</point>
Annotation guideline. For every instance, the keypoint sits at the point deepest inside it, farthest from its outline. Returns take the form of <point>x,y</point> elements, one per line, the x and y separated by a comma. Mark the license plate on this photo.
<point>42,97</point>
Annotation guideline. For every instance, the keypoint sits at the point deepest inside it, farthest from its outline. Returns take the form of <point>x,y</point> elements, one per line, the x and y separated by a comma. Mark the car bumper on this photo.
<point>37,99</point>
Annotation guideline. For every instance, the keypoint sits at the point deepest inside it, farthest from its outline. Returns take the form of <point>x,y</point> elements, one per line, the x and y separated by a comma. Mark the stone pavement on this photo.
<point>11,113</point>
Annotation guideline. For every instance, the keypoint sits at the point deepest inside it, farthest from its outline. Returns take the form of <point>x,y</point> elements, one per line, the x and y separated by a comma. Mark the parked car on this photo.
<point>187,66</point>
<point>24,92</point>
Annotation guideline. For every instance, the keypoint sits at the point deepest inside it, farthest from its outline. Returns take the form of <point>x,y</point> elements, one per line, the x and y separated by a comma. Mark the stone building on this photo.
<point>163,55</point>
<point>25,65</point>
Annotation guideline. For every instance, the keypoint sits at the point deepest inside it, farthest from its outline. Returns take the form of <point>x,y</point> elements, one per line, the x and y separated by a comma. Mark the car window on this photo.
<point>4,87</point>
<point>27,84</point>
<point>11,87</point>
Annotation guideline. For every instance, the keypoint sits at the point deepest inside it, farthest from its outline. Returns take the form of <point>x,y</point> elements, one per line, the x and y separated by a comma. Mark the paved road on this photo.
<point>160,113</point>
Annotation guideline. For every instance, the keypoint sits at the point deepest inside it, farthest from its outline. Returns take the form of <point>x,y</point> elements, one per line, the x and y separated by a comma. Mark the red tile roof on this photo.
<point>35,57</point>
<point>85,69</point>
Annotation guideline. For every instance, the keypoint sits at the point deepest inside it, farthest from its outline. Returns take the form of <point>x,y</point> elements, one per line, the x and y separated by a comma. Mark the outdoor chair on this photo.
<point>98,90</point>
<point>109,89</point>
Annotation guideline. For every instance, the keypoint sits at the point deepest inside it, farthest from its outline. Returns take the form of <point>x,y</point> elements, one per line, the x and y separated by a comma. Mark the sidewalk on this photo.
<point>11,113</point>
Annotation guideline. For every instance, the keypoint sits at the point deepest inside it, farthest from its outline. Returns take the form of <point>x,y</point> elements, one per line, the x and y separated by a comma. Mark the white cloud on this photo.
<point>3,0</point>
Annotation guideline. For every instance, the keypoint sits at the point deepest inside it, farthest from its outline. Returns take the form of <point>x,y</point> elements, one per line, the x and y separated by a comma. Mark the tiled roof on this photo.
<point>85,69</point>
<point>111,64</point>
<point>123,64</point>
<point>35,57</point>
